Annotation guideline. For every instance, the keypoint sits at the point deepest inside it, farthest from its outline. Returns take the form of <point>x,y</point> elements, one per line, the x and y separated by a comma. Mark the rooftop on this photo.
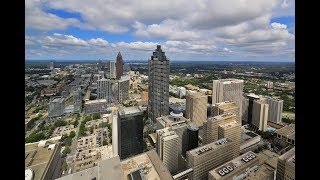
<point>229,125</point>
<point>233,164</point>
<point>222,116</point>
<point>288,131</point>
<point>231,81</point>
<point>58,100</point>
<point>38,158</point>
<point>268,157</point>
<point>208,147</point>
<point>150,163</point>
<point>226,105</point>
<point>130,110</point>
<point>252,95</point>
<point>289,156</point>
<point>96,101</point>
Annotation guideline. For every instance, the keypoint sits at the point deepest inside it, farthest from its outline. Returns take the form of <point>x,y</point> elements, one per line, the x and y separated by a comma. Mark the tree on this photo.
<point>104,142</point>
<point>72,134</point>
<point>64,166</point>
<point>75,123</point>
<point>66,151</point>
<point>96,116</point>
<point>60,122</point>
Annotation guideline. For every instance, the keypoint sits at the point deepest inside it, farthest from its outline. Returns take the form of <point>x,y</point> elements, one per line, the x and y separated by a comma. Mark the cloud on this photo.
<point>278,26</point>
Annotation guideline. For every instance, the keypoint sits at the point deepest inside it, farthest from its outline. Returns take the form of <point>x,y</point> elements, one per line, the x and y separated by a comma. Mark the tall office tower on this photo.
<point>260,115</point>
<point>56,107</point>
<point>123,86</point>
<point>111,72</point>
<point>115,137</point>
<point>130,132</point>
<point>236,168</point>
<point>179,124</point>
<point>226,107</point>
<point>223,126</point>
<point>196,107</point>
<point>275,109</point>
<point>286,165</point>
<point>158,85</point>
<point>119,66</point>
<point>248,106</point>
<point>167,149</point>
<point>77,99</point>
<point>228,90</point>
<point>192,137</point>
<point>207,157</point>
<point>104,89</point>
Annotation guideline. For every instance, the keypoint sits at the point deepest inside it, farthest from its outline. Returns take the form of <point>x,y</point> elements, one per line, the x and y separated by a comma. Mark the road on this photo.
<point>74,142</point>
<point>43,118</point>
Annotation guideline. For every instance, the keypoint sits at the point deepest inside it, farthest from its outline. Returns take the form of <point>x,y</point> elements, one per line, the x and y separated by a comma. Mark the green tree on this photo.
<point>96,116</point>
<point>60,122</point>
<point>64,166</point>
<point>66,151</point>
<point>104,142</point>
<point>72,134</point>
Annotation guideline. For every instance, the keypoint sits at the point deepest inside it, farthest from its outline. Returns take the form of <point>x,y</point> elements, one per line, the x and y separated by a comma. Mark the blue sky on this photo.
<point>250,30</point>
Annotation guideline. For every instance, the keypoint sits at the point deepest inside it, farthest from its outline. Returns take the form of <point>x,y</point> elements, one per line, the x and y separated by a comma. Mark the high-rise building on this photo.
<point>168,148</point>
<point>104,88</point>
<point>130,132</point>
<point>226,107</point>
<point>122,92</point>
<point>158,85</point>
<point>247,108</point>
<point>260,115</point>
<point>207,157</point>
<point>196,107</point>
<point>269,84</point>
<point>275,109</point>
<point>192,137</point>
<point>101,73</point>
<point>119,66</point>
<point>236,168</point>
<point>111,72</point>
<point>223,126</point>
<point>77,99</point>
<point>228,90</point>
<point>286,165</point>
<point>56,107</point>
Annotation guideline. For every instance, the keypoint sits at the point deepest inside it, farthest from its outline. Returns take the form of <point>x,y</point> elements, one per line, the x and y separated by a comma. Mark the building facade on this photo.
<point>77,99</point>
<point>130,132</point>
<point>228,90</point>
<point>167,148</point>
<point>196,107</point>
<point>158,85</point>
<point>275,109</point>
<point>56,107</point>
<point>111,72</point>
<point>260,112</point>
<point>226,107</point>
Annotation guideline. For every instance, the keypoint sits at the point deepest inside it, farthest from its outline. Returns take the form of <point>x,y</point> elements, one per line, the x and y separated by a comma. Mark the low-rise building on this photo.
<point>93,106</point>
<point>286,135</point>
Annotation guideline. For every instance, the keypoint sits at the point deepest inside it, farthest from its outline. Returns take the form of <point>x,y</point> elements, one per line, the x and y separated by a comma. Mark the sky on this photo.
<point>197,30</point>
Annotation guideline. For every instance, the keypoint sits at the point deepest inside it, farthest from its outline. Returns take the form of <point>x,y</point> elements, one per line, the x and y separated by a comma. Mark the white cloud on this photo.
<point>278,26</point>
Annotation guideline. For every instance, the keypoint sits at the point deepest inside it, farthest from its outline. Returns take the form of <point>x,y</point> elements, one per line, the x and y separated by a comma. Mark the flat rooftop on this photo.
<point>226,105</point>
<point>263,172</point>
<point>150,164</point>
<point>268,157</point>
<point>130,110</point>
<point>96,101</point>
<point>229,125</point>
<point>37,158</point>
<point>231,81</point>
<point>288,131</point>
<point>234,163</point>
<point>58,99</point>
<point>171,119</point>
<point>289,156</point>
<point>252,95</point>
<point>199,151</point>
<point>222,116</point>
<point>106,169</point>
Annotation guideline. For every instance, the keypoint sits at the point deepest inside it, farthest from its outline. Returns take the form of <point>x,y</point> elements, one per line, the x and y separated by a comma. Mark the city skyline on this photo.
<point>246,31</point>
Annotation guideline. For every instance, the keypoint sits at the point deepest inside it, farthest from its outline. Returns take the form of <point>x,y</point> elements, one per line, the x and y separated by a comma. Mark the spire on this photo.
<point>119,54</point>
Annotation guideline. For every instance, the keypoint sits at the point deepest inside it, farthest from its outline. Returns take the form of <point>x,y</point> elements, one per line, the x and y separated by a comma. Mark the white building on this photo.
<point>275,109</point>
<point>260,114</point>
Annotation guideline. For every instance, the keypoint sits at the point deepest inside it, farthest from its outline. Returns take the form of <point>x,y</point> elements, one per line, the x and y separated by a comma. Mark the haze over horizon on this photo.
<point>231,30</point>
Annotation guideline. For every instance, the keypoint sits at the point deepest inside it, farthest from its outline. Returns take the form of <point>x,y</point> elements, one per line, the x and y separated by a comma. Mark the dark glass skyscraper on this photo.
<point>130,132</point>
<point>158,85</point>
<point>119,66</point>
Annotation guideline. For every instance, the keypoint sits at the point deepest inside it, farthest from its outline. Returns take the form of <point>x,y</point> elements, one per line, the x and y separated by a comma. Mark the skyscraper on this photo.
<point>111,72</point>
<point>103,88</point>
<point>275,109</point>
<point>228,90</point>
<point>119,66</point>
<point>130,132</point>
<point>77,99</point>
<point>260,111</point>
<point>158,85</point>
<point>167,149</point>
<point>196,107</point>
<point>123,85</point>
